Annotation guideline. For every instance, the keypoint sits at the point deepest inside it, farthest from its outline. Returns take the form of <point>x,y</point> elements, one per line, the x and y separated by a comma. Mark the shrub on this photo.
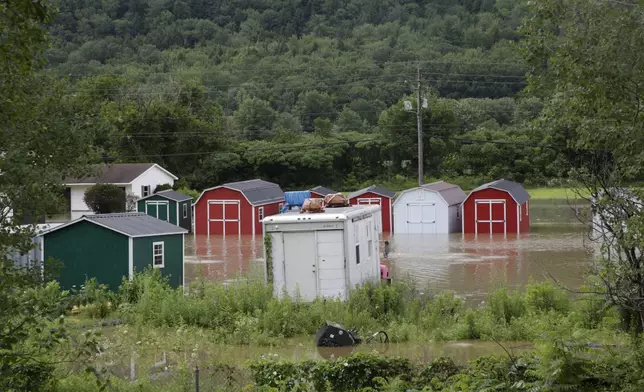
<point>105,198</point>
<point>543,297</point>
<point>504,306</point>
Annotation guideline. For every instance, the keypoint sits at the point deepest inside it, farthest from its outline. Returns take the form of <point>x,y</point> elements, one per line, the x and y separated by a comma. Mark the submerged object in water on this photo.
<point>335,335</point>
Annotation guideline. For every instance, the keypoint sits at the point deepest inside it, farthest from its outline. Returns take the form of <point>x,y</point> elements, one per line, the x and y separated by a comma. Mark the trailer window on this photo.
<point>370,247</point>
<point>358,254</point>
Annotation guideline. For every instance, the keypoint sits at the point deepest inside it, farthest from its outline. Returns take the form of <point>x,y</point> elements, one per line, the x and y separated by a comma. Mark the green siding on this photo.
<point>88,251</point>
<point>172,208</point>
<point>173,247</point>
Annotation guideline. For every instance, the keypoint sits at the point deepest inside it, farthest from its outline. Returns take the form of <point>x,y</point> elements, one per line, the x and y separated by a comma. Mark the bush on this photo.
<point>162,187</point>
<point>105,198</point>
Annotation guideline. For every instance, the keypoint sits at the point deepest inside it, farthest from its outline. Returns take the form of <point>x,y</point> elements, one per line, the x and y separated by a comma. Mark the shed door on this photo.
<point>330,257</point>
<point>300,267</point>
<point>421,218</point>
<point>372,200</point>
<point>158,209</point>
<point>490,216</point>
<point>223,217</point>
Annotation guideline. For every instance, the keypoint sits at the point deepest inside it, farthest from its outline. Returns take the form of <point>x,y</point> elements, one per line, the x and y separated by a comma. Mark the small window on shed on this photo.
<point>260,213</point>
<point>158,254</point>
<point>357,253</point>
<point>527,208</point>
<point>185,210</point>
<point>458,213</point>
<point>520,214</point>
<point>145,190</point>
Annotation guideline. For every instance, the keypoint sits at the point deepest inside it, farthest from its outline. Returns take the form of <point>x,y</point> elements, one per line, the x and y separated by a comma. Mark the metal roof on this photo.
<point>258,191</point>
<point>170,194</point>
<point>451,193</point>
<point>131,224</point>
<point>322,190</point>
<point>516,190</point>
<point>114,173</point>
<point>373,189</point>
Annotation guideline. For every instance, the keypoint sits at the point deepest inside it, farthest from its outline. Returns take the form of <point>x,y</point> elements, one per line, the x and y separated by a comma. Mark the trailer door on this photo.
<point>300,267</point>
<point>330,254</point>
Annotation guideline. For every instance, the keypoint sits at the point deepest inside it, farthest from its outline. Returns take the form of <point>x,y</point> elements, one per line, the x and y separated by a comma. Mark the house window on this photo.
<point>357,253</point>
<point>260,213</point>
<point>370,248</point>
<point>158,255</point>
<point>185,210</point>
<point>145,190</point>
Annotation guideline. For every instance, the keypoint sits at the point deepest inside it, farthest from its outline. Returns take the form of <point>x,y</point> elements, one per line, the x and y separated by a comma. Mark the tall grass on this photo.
<point>248,313</point>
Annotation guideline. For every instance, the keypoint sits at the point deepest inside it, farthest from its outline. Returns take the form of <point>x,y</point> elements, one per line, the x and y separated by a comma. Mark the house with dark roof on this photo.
<point>383,197</point>
<point>109,247</point>
<point>170,206</point>
<point>137,180</point>
<point>237,208</point>
<point>498,207</point>
<point>433,208</point>
<point>320,192</point>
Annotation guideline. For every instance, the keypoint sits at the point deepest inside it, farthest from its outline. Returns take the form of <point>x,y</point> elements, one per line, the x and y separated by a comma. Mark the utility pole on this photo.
<point>419,120</point>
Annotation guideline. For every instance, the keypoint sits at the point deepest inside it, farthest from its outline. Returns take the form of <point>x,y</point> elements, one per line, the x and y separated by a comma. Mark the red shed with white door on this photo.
<point>498,207</point>
<point>380,196</point>
<point>237,207</point>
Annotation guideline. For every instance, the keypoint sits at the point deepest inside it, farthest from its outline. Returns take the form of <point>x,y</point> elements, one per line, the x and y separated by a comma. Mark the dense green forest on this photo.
<point>303,93</point>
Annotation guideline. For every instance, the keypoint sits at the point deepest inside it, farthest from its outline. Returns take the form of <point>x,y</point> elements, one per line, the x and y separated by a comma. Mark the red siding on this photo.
<point>201,212</point>
<point>269,209</point>
<point>317,195</point>
<point>385,206</point>
<point>511,213</point>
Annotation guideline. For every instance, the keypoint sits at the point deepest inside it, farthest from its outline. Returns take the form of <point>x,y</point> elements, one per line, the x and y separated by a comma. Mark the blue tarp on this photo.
<point>295,199</point>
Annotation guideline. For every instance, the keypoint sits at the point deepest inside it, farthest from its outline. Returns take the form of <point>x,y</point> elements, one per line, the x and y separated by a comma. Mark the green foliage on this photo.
<point>105,198</point>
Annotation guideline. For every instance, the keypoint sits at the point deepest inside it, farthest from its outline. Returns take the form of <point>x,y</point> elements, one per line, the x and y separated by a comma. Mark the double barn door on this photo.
<point>490,216</point>
<point>223,217</point>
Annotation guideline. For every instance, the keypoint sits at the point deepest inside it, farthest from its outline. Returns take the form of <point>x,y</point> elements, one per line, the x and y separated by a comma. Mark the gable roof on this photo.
<point>373,189</point>
<point>131,224</point>
<point>170,195</point>
<point>451,193</point>
<point>322,190</point>
<point>115,173</point>
<point>256,191</point>
<point>516,190</point>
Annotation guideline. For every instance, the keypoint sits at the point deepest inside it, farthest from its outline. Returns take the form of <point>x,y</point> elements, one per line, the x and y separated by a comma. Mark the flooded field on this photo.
<point>557,246</point>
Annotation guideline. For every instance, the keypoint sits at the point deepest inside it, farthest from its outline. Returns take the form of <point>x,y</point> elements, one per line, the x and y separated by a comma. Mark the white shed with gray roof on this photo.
<point>429,209</point>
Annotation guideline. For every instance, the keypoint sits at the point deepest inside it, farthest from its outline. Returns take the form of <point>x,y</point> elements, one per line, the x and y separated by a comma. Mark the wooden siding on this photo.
<point>510,217</point>
<point>385,205</point>
<point>86,251</point>
<point>173,256</point>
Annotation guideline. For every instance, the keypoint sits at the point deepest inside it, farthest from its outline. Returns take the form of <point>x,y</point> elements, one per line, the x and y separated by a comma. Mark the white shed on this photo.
<point>323,254</point>
<point>429,209</point>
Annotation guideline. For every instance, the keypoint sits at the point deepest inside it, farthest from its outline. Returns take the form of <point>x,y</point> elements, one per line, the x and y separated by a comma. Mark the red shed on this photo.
<point>237,207</point>
<point>500,206</point>
<point>376,195</point>
<point>319,192</point>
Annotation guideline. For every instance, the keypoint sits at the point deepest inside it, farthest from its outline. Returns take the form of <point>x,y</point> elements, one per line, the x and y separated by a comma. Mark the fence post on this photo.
<point>196,378</point>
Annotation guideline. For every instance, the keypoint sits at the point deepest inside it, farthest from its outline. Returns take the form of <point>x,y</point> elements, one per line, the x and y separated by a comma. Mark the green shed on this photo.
<point>170,206</point>
<point>110,246</point>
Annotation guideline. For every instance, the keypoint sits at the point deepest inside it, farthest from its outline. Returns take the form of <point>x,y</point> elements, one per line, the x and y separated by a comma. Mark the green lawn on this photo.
<point>556,193</point>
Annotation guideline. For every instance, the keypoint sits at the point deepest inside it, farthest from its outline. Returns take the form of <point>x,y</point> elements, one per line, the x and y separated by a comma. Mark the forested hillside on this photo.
<point>302,93</point>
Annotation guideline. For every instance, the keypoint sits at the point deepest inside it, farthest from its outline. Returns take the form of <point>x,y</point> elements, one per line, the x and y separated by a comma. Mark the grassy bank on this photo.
<point>211,319</point>
<point>247,312</point>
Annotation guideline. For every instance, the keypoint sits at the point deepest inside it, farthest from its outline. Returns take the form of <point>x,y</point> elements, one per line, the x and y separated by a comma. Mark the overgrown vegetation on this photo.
<point>248,313</point>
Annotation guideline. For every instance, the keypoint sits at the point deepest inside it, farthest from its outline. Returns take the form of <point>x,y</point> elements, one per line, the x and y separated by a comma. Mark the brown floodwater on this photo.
<point>468,265</point>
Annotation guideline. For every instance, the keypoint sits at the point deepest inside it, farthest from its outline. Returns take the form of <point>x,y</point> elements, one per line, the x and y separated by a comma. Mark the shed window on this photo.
<point>185,210</point>
<point>357,253</point>
<point>520,214</point>
<point>527,209</point>
<point>279,206</point>
<point>458,213</point>
<point>158,254</point>
<point>145,190</point>
<point>260,213</point>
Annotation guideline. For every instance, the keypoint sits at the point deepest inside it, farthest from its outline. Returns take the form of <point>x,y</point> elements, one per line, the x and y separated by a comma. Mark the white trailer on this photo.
<point>323,254</point>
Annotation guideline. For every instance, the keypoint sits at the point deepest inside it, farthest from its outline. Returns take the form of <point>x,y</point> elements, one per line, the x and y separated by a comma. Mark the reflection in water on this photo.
<point>468,265</point>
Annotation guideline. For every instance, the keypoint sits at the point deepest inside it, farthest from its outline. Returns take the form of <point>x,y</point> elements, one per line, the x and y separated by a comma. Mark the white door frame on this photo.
<point>369,200</point>
<point>490,202</point>
<point>223,219</point>
<point>421,204</point>
<point>159,203</point>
